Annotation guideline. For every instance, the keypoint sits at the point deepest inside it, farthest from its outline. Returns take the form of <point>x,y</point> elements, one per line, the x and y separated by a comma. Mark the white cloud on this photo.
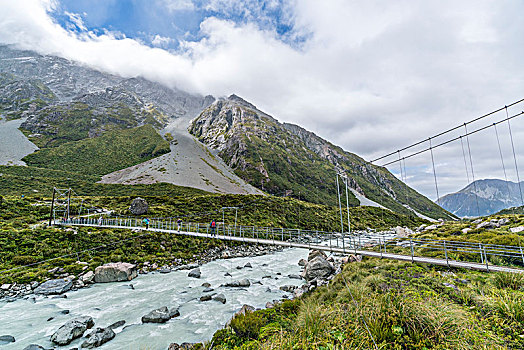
<point>161,41</point>
<point>372,76</point>
<point>177,5</point>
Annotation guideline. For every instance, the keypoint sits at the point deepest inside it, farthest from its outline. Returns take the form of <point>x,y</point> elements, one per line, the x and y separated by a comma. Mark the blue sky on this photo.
<point>173,20</point>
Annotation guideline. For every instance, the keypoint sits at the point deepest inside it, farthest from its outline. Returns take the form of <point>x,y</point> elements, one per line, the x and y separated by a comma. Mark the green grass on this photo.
<point>24,237</point>
<point>104,154</point>
<point>397,305</point>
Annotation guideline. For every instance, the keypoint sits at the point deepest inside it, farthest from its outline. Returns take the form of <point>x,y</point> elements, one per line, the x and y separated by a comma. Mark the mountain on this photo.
<point>483,197</point>
<point>282,158</point>
<point>132,131</point>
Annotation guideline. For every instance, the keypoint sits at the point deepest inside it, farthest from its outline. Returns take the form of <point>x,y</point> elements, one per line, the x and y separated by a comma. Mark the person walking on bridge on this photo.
<point>100,221</point>
<point>213,226</point>
<point>179,224</point>
<point>146,223</point>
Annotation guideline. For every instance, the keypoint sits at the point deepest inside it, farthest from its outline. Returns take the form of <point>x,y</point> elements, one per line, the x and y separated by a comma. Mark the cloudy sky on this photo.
<point>370,76</point>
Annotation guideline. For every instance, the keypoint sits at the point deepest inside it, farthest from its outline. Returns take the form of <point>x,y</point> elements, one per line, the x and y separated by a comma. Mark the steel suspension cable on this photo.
<point>464,156</point>
<point>514,157</point>
<point>434,172</point>
<point>449,130</point>
<point>340,207</point>
<point>472,171</point>
<point>454,139</point>
<point>502,158</point>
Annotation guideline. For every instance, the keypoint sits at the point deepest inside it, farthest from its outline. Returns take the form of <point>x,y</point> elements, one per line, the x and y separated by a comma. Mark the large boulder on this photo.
<point>6,339</point>
<point>403,232</point>
<point>195,273</point>
<point>138,206</point>
<point>160,315</point>
<point>51,287</point>
<point>115,272</point>
<point>98,337</point>
<point>317,268</point>
<point>34,347</point>
<point>242,283</point>
<point>71,330</point>
<point>314,253</point>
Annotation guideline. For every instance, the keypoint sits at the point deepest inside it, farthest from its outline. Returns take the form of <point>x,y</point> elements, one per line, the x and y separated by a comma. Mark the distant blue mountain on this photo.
<point>483,197</point>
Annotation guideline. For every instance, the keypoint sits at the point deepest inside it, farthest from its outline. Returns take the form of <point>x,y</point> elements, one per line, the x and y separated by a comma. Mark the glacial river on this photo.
<point>27,320</point>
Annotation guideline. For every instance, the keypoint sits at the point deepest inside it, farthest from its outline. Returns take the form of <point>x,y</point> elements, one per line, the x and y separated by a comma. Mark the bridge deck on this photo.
<point>334,249</point>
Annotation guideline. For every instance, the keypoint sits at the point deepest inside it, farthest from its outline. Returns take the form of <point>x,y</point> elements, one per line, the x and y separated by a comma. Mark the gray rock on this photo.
<point>206,285</point>
<point>138,206</point>
<point>34,347</point>
<point>6,339</point>
<point>302,262</point>
<point>293,276</point>
<point>245,309</point>
<point>195,273</point>
<point>314,253</point>
<point>117,324</point>
<point>517,229</point>
<point>71,330</point>
<point>51,287</point>
<point>165,270</point>
<point>288,288</point>
<point>248,265</point>
<point>205,298</point>
<point>115,272</point>
<point>220,298</point>
<point>242,283</point>
<point>98,337</point>
<point>317,268</point>
<point>207,290</point>
<point>88,277</point>
<point>160,315</point>
<point>488,225</point>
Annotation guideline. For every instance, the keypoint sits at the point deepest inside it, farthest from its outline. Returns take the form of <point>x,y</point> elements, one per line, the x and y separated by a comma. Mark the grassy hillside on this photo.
<point>395,305</point>
<point>104,154</point>
<point>23,240</point>
<point>33,181</point>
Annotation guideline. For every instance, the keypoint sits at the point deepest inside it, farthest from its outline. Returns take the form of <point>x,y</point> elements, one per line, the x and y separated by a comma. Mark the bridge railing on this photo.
<point>345,242</point>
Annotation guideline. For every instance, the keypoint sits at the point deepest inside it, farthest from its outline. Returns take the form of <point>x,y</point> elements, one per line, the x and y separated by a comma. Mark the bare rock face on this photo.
<point>138,206</point>
<point>115,272</point>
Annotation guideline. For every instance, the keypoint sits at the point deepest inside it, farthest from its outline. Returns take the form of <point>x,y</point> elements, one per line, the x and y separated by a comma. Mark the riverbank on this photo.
<point>202,310</point>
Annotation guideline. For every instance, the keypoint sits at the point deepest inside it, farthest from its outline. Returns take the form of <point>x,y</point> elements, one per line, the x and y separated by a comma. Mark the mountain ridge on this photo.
<point>483,197</point>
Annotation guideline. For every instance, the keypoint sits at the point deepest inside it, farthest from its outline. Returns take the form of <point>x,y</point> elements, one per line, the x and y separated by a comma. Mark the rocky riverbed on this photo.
<point>204,304</point>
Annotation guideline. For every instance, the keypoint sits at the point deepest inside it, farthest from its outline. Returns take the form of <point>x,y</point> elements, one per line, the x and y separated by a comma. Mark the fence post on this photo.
<point>412,251</point>
<point>446,254</point>
<point>522,255</point>
<point>481,255</point>
<point>486,259</point>
<point>380,247</point>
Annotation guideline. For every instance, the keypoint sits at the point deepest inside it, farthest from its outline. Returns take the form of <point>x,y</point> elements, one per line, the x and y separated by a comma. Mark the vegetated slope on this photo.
<point>281,157</point>
<point>21,242</point>
<point>101,155</point>
<point>389,305</point>
<point>483,197</point>
<point>90,115</point>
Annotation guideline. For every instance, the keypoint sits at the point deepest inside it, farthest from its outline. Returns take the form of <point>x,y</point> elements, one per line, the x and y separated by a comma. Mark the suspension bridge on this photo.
<point>476,256</point>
